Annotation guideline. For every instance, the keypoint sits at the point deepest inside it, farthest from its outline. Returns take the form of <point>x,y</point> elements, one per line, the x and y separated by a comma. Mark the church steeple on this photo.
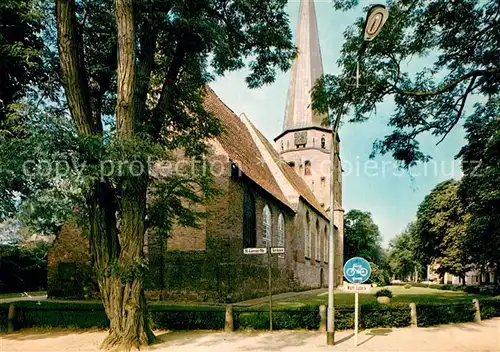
<point>306,69</point>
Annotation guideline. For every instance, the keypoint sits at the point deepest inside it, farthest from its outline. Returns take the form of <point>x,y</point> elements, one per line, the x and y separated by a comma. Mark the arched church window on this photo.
<point>249,221</point>
<point>266,226</point>
<point>323,142</point>
<point>307,237</point>
<point>281,231</point>
<point>318,242</point>
<point>307,170</point>
<point>291,163</point>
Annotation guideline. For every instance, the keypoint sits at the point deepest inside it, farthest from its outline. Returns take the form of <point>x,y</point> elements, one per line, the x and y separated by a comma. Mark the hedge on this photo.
<point>435,314</point>
<point>91,314</point>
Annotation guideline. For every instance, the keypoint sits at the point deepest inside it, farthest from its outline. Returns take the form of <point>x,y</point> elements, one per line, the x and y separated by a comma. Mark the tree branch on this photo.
<point>453,84</point>
<point>460,110</point>
<point>125,69</point>
<point>72,68</point>
<point>147,40</point>
<point>168,85</point>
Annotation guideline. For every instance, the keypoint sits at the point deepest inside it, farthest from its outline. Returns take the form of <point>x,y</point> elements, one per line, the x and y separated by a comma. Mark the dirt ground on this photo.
<point>471,337</point>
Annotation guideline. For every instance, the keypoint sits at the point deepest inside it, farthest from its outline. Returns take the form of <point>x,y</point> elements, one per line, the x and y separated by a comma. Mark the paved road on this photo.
<point>482,337</point>
<point>265,299</point>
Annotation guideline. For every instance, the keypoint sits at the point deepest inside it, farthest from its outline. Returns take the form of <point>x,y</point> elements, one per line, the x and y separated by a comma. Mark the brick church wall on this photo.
<point>69,269</point>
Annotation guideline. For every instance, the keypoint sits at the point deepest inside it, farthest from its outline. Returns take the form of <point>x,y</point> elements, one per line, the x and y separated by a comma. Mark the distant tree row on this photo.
<point>458,223</point>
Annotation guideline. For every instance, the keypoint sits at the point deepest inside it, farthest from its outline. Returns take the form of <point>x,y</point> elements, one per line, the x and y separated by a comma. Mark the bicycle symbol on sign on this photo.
<point>356,269</point>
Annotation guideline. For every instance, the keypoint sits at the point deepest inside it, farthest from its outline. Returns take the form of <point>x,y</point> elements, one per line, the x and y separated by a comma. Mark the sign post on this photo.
<point>356,270</point>
<point>269,251</point>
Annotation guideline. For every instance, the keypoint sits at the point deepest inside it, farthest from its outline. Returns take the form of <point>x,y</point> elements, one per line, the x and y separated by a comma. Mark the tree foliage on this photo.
<point>440,229</point>
<point>21,50</point>
<point>402,258</point>
<point>462,40</point>
<point>480,186</point>
<point>134,75</point>
<point>362,237</point>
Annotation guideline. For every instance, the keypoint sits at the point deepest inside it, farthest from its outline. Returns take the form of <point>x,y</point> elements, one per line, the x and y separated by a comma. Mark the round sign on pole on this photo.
<point>357,270</point>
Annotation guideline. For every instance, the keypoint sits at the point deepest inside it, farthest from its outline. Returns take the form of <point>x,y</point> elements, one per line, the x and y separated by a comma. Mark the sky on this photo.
<point>392,196</point>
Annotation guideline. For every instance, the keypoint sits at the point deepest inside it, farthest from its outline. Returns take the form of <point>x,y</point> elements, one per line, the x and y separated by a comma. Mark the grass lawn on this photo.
<point>19,294</point>
<point>400,295</point>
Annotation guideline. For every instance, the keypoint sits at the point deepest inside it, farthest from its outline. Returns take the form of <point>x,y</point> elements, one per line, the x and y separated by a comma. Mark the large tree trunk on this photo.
<point>121,287</point>
<point>119,264</point>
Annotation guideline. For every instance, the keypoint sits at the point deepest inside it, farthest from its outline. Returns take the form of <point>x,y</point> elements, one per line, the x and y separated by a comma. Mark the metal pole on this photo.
<point>330,334</point>
<point>270,290</point>
<point>356,313</point>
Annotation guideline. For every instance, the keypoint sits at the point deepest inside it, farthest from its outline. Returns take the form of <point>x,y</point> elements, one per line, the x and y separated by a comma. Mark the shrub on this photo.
<point>434,314</point>
<point>489,308</point>
<point>24,268</point>
<point>193,318</point>
<point>379,276</point>
<point>407,286</point>
<point>376,315</point>
<point>384,293</point>
<point>301,318</point>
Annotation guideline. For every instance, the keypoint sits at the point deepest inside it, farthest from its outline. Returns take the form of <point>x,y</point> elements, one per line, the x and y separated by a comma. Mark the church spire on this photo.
<point>306,69</point>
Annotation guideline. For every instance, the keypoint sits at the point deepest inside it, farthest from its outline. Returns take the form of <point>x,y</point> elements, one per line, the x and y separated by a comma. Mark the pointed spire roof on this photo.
<point>306,69</point>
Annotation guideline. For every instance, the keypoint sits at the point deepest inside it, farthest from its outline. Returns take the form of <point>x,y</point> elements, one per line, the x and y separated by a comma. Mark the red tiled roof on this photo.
<point>242,150</point>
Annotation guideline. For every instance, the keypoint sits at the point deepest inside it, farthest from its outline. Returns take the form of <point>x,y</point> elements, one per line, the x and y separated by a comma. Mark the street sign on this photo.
<point>262,250</point>
<point>357,288</point>
<point>277,250</point>
<point>357,270</point>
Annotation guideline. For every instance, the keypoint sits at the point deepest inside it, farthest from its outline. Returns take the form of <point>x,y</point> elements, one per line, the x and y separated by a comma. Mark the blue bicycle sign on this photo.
<point>357,270</point>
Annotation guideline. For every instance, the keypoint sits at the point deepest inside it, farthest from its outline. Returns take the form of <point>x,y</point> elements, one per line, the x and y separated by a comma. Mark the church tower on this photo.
<point>305,142</point>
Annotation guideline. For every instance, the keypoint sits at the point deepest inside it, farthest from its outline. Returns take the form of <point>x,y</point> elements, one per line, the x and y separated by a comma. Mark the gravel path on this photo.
<point>23,298</point>
<point>454,338</point>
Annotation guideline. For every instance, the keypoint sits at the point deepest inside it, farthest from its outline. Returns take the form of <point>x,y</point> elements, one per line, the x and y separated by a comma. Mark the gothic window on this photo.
<point>266,226</point>
<point>307,170</point>
<point>291,163</point>
<point>249,230</point>
<point>318,242</point>
<point>281,231</point>
<point>323,142</point>
<point>307,237</point>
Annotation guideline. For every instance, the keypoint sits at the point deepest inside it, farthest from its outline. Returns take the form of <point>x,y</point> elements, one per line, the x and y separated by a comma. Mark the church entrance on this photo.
<point>321,280</point>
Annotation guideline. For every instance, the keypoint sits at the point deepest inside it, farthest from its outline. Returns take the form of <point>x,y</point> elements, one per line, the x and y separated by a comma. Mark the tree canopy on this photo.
<point>402,258</point>
<point>134,75</point>
<point>362,237</point>
<point>460,38</point>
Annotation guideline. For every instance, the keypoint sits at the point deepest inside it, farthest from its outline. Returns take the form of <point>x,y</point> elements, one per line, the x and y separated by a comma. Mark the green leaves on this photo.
<point>402,253</point>
<point>457,45</point>
<point>362,237</point>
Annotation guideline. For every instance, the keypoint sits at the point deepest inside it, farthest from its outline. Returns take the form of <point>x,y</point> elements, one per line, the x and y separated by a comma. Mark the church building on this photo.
<point>271,195</point>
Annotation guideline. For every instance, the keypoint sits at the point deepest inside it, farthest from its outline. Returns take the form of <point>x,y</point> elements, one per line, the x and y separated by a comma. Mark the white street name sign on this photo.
<point>277,250</point>
<point>255,250</point>
<point>357,288</point>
